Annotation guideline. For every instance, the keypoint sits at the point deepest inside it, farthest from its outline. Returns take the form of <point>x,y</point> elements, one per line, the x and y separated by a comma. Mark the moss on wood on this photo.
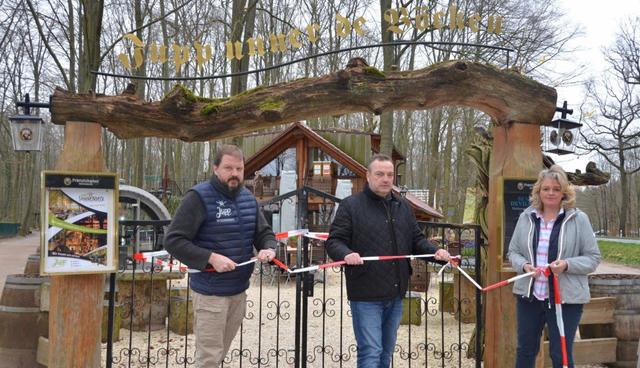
<point>249,91</point>
<point>229,103</point>
<point>189,95</point>
<point>373,71</point>
<point>271,104</point>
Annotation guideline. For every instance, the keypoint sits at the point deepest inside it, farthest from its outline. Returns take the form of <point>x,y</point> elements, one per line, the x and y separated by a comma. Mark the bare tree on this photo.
<point>535,29</point>
<point>624,55</point>
<point>614,133</point>
<point>386,118</point>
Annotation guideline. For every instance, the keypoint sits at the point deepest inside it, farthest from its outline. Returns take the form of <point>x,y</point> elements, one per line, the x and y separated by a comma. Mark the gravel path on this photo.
<point>263,332</point>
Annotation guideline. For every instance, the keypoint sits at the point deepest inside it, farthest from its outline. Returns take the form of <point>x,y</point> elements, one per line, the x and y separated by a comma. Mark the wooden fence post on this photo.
<point>75,313</point>
<point>516,153</point>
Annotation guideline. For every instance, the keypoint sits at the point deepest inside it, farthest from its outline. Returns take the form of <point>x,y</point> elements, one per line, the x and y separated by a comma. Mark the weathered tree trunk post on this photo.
<point>516,153</point>
<point>75,312</point>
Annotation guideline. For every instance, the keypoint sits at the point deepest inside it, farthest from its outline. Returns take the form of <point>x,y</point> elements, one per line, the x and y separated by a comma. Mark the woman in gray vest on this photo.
<point>218,225</point>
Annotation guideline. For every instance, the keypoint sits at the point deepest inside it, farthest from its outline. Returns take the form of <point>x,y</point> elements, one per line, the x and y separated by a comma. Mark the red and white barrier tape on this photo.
<point>318,236</point>
<point>453,262</point>
<point>304,232</point>
<point>559,320</point>
<point>290,233</point>
<point>507,281</point>
<point>557,301</point>
<point>366,259</point>
<point>211,269</point>
<point>163,253</point>
<point>465,274</point>
<point>144,255</point>
<point>158,261</point>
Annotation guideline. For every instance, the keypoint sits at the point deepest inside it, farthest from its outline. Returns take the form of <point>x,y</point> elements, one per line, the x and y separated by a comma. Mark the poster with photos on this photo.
<point>78,217</point>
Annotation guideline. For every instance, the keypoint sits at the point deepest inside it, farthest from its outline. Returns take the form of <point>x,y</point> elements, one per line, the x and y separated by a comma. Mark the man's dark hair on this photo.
<point>378,157</point>
<point>227,149</point>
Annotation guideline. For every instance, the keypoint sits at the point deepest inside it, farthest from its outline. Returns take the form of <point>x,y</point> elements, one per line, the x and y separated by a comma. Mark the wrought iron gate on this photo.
<point>439,320</point>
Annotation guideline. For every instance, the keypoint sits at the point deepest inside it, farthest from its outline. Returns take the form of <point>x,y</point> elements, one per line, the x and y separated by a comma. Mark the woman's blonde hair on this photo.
<point>557,173</point>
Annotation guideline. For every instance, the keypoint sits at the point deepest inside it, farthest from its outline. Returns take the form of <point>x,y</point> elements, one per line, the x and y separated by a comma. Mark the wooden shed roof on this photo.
<point>288,138</point>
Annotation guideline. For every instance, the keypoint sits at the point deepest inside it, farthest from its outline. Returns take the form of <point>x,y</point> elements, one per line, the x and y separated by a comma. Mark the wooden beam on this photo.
<point>504,95</point>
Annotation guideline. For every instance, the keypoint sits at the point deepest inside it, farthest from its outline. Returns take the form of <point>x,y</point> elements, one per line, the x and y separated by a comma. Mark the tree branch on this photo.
<point>506,96</point>
<point>34,14</point>
<point>106,52</point>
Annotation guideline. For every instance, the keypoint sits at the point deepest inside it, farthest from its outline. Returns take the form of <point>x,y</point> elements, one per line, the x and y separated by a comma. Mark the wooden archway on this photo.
<point>505,95</point>
<point>517,104</point>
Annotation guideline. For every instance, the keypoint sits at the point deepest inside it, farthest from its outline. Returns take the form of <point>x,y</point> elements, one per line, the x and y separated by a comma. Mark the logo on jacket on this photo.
<point>223,211</point>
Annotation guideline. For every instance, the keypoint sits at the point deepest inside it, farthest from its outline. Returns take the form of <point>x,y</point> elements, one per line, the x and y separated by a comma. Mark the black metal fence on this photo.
<point>295,321</point>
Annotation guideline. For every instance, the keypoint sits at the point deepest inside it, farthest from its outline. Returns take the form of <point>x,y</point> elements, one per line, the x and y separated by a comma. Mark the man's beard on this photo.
<point>237,182</point>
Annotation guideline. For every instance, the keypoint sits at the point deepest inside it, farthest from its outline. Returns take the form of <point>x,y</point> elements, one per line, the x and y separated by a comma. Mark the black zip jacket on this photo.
<point>370,225</point>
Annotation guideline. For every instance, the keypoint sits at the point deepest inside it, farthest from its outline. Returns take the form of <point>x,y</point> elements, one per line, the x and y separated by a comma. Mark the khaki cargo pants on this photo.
<point>216,322</point>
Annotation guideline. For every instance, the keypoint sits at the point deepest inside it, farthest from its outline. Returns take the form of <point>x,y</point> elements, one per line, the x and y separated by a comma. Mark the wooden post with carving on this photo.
<point>75,312</point>
<point>516,153</point>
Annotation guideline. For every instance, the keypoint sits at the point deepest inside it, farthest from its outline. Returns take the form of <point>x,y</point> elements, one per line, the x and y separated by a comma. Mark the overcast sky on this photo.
<point>599,21</point>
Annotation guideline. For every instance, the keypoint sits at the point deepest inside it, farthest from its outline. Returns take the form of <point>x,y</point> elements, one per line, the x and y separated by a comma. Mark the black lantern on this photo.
<point>27,130</point>
<point>560,136</point>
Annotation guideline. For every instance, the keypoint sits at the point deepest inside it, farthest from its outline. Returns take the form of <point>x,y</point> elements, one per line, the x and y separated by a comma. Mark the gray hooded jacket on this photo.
<point>576,244</point>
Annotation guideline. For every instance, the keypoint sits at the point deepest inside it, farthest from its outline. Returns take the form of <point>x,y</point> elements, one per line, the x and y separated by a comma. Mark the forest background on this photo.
<point>49,43</point>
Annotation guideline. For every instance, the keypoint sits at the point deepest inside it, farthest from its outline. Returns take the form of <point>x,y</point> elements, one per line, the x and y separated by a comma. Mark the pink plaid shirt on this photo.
<point>541,284</point>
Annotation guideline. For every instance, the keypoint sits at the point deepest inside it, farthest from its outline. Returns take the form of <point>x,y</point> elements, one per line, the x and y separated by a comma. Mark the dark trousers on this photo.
<point>532,316</point>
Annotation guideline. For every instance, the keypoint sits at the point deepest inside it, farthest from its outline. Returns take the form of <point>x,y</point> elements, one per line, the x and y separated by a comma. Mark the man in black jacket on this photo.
<point>376,223</point>
<point>218,225</point>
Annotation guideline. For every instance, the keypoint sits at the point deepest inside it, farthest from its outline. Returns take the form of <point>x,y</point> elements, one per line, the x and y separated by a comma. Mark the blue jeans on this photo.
<point>532,316</point>
<point>375,325</point>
